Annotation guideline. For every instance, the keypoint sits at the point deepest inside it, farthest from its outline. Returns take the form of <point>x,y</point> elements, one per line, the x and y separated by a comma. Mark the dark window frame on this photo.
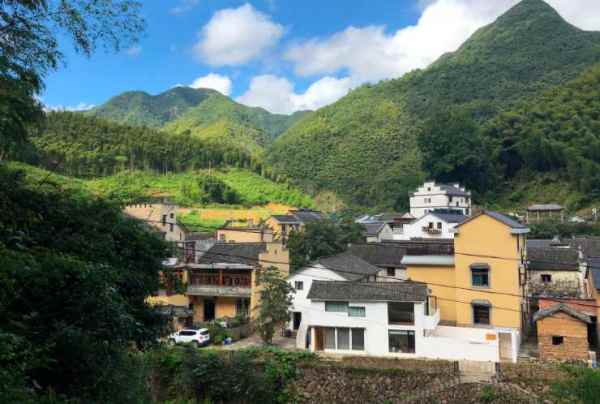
<point>476,318</point>
<point>481,272</point>
<point>398,313</point>
<point>558,340</point>
<point>299,285</point>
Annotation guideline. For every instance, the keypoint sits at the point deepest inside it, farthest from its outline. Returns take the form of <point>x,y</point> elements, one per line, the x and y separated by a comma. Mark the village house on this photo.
<point>340,267</point>
<point>566,329</point>
<point>431,196</point>
<point>377,232</point>
<point>247,232</point>
<point>223,280</point>
<point>294,220</point>
<point>540,212</point>
<point>385,256</point>
<point>161,217</point>
<point>480,283</point>
<point>436,224</point>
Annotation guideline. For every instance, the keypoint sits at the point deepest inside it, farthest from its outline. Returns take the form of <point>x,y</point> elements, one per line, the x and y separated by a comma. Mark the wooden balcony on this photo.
<point>219,284</point>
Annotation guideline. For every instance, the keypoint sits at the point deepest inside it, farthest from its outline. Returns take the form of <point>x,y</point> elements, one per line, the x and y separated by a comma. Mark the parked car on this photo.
<point>198,337</point>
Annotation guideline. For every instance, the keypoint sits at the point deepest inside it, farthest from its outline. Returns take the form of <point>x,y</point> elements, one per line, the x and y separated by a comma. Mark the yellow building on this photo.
<point>223,282</point>
<point>481,282</point>
<point>244,234</point>
<point>295,220</point>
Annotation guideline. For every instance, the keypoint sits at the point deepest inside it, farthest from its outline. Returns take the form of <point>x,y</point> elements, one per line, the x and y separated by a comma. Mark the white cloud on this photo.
<point>370,53</point>
<point>235,36</point>
<point>134,51</point>
<point>277,95</point>
<point>82,106</point>
<point>215,81</point>
<point>183,7</point>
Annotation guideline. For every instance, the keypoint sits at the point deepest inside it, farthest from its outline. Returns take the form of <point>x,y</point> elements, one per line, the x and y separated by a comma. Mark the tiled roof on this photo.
<point>373,229</point>
<point>450,217</point>
<point>549,258</point>
<point>590,246</point>
<point>305,215</point>
<point>233,253</point>
<point>502,218</point>
<point>452,190</point>
<point>348,266</point>
<point>549,207</point>
<point>380,254</point>
<point>368,291</point>
<point>550,311</point>
<point>286,219</point>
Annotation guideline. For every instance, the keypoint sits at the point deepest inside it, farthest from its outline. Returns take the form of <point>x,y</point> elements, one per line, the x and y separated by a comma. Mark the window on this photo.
<point>187,333</point>
<point>343,339</point>
<point>546,278</point>
<point>298,285</point>
<point>556,340</point>
<point>401,313</point>
<point>481,314</point>
<point>356,311</point>
<point>402,341</point>
<point>391,271</point>
<point>164,219</point>
<point>172,215</point>
<point>222,237</point>
<point>171,227</point>
<point>358,339</point>
<point>439,225</point>
<point>480,277</point>
<point>336,307</point>
<point>329,338</point>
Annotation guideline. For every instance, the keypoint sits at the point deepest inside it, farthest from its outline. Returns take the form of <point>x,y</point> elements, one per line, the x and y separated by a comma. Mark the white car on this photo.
<point>197,337</point>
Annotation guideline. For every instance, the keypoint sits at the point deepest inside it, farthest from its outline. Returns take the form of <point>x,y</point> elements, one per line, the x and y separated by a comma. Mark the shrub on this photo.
<point>583,386</point>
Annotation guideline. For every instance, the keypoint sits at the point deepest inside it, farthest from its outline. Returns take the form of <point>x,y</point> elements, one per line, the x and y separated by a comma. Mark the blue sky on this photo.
<point>281,55</point>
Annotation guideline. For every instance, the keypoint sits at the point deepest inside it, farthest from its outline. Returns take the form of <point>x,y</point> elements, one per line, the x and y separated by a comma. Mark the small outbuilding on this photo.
<point>563,332</point>
<point>549,211</point>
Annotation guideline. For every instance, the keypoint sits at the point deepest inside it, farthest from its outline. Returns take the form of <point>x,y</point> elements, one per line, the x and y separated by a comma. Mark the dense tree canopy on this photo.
<point>29,48</point>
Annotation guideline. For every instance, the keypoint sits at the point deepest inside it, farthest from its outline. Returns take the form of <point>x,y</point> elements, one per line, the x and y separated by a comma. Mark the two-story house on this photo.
<point>294,220</point>
<point>481,284</point>
<point>436,224</point>
<point>431,196</point>
<point>223,280</point>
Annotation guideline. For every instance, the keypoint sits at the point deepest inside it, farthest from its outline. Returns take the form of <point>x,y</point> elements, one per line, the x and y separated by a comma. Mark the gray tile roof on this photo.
<point>233,253</point>
<point>307,215</point>
<point>452,190</point>
<point>548,207</point>
<point>507,220</point>
<point>549,259</point>
<point>349,266</point>
<point>368,291</point>
<point>286,219</point>
<point>594,263</point>
<point>550,311</point>
<point>450,217</point>
<point>372,229</point>
<point>382,255</point>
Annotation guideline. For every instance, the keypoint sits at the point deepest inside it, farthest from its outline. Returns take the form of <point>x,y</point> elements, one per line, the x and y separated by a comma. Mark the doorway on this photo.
<point>209,309</point>
<point>297,320</point>
<point>505,346</point>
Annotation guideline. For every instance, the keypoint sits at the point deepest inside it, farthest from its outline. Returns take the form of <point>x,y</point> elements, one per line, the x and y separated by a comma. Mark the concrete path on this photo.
<point>255,341</point>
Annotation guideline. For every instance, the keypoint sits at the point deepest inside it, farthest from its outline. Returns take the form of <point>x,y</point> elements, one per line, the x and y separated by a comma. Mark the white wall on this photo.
<point>306,275</point>
<point>429,196</point>
<point>415,228</point>
<point>431,340</point>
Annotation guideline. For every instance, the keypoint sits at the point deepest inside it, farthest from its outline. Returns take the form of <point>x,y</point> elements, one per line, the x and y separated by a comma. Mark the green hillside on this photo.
<point>140,108</point>
<point>366,147</point>
<point>184,108</point>
<point>79,145</point>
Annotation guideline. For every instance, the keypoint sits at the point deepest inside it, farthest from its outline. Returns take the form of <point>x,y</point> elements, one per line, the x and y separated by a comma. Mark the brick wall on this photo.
<point>574,333</point>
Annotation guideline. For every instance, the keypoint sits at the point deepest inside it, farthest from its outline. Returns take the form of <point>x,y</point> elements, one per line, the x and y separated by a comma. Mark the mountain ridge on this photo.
<point>364,147</point>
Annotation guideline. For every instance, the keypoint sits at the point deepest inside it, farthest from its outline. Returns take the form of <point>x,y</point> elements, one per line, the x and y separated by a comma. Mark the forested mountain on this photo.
<point>185,108</point>
<point>79,145</point>
<point>372,146</point>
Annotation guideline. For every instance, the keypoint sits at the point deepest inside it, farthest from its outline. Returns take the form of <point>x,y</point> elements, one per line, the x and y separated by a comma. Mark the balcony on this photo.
<point>431,230</point>
<point>219,284</point>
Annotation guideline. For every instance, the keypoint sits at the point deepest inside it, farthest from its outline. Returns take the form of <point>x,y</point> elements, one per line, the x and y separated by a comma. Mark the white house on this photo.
<point>392,319</point>
<point>433,225</point>
<point>432,196</point>
<point>340,267</point>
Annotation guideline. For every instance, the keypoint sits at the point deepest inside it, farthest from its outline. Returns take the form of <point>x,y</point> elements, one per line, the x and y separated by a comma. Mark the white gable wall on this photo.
<point>415,229</point>
<point>430,196</point>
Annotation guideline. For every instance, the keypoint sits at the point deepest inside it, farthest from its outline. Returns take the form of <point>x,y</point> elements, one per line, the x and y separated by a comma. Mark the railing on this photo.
<point>220,280</point>
<point>432,321</point>
<point>432,230</point>
<point>215,290</point>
